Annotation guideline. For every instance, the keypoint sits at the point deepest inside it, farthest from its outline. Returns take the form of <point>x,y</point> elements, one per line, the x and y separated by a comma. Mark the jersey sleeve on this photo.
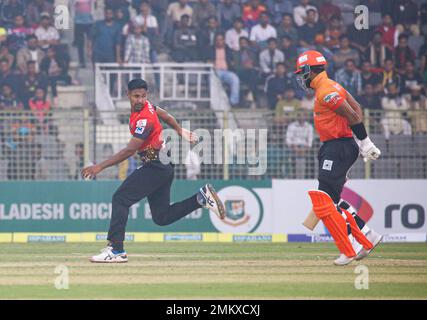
<point>332,99</point>
<point>143,128</point>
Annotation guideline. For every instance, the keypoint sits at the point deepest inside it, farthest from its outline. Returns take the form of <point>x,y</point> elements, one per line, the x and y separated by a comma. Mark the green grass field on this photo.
<point>211,271</point>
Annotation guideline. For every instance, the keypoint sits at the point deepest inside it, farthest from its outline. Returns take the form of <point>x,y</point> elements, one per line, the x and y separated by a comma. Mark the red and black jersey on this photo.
<point>145,125</point>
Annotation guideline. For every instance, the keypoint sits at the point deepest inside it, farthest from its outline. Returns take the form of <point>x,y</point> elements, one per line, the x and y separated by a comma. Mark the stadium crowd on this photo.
<point>252,44</point>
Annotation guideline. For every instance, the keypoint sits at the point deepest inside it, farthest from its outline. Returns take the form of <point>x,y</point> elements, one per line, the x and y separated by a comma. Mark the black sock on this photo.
<point>117,246</point>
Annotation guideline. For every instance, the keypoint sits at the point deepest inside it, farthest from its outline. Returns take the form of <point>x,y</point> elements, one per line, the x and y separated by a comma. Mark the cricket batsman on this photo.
<point>152,180</point>
<point>338,120</point>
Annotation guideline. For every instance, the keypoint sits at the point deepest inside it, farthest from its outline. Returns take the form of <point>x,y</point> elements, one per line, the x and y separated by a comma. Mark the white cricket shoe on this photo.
<point>107,256</point>
<point>375,238</point>
<point>343,260</point>
<point>210,200</point>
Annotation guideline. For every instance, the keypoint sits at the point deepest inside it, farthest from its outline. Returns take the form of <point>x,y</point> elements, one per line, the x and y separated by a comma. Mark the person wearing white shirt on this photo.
<point>45,33</point>
<point>300,12</point>
<point>299,138</point>
<point>263,31</point>
<point>270,57</point>
<point>233,35</point>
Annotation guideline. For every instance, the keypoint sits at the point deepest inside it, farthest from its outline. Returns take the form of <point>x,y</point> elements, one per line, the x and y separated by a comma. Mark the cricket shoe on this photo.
<point>209,199</point>
<point>375,239</point>
<point>108,256</point>
<point>343,260</point>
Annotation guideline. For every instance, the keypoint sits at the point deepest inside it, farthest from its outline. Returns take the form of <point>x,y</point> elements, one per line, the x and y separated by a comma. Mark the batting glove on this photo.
<point>368,150</point>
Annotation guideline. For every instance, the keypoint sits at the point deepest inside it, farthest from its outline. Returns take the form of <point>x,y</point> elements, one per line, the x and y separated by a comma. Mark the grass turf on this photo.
<point>211,271</point>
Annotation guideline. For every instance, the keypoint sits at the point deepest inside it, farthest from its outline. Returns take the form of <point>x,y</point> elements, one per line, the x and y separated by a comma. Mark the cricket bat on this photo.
<point>311,221</point>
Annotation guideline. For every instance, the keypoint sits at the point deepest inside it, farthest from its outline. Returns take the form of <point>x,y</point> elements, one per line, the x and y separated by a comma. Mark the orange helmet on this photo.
<point>310,58</point>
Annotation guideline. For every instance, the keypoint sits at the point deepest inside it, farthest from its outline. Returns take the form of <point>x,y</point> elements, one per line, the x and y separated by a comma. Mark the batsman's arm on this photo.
<point>351,110</point>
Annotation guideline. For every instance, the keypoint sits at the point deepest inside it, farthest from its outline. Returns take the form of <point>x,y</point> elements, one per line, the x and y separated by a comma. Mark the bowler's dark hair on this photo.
<point>137,84</point>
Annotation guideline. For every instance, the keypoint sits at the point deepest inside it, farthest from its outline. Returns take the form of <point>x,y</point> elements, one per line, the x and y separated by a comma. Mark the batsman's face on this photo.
<point>137,98</point>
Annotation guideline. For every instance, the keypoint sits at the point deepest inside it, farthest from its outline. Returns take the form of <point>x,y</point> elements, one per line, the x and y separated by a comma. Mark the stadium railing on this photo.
<point>55,146</point>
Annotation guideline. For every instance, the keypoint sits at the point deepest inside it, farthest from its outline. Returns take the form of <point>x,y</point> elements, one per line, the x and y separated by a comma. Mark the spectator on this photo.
<point>6,55</point>
<point>232,36</point>
<point>8,99</point>
<point>370,99</point>
<point>41,166</point>
<point>394,106</point>
<point>56,69</point>
<point>3,36</point>
<point>344,53</point>
<point>410,77</point>
<point>328,10</point>
<point>192,165</point>
<point>228,11</point>
<point>423,18</point>
<point>389,34</point>
<point>177,9</point>
<point>221,57</point>
<point>21,164</point>
<point>80,160</point>
<point>31,52</point>
<point>390,76</point>
<point>40,108</point>
<point>245,64</point>
<point>36,7</point>
<point>83,23</point>
<point>290,51</point>
<point>349,77</point>
<point>418,109</point>
<point>300,12</point>
<point>278,8</point>
<point>31,81</point>
<point>137,47</point>
<point>377,53</point>
<point>286,106</point>
<point>150,28</point>
<point>299,138</point>
<point>368,77</point>
<point>251,13</point>
<point>276,85</point>
<point>206,35</point>
<point>263,31</point>
<point>359,38</point>
<point>184,41</point>
<point>403,53</point>
<point>8,77</point>
<point>9,9</point>
<point>308,31</point>
<point>105,39</point>
<point>423,58</point>
<point>286,28</point>
<point>202,10</point>
<point>17,34</point>
<point>269,57</point>
<point>47,35</point>
<point>333,32</point>
<point>405,13</point>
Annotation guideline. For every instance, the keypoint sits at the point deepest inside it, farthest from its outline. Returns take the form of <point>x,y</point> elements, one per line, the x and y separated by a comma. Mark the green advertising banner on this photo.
<point>85,206</point>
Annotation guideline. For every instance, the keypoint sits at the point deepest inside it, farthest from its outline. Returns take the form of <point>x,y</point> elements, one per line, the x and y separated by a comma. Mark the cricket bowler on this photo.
<point>152,180</point>
<point>338,120</point>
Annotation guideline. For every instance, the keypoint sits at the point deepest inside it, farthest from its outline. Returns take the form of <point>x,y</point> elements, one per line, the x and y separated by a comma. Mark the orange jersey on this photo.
<point>329,96</point>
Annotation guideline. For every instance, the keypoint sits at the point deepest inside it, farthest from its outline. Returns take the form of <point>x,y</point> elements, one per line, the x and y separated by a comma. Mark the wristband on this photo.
<point>359,131</point>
